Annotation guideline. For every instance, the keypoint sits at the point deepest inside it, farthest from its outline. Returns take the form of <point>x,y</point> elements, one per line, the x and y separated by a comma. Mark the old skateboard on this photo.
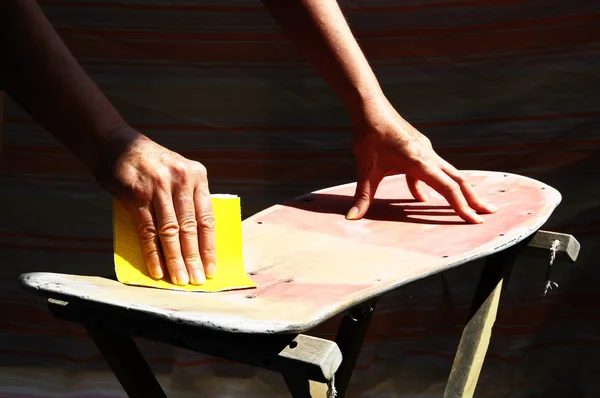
<point>312,264</point>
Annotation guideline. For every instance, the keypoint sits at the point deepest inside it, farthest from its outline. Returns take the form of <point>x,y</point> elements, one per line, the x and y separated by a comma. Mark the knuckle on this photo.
<point>140,193</point>
<point>362,196</point>
<point>188,225</point>
<point>460,178</point>
<point>207,220</point>
<point>134,188</point>
<point>426,141</point>
<point>200,169</point>
<point>147,232</point>
<point>452,188</point>
<point>162,178</point>
<point>162,173</point>
<point>169,229</point>
<point>180,171</point>
<point>421,160</point>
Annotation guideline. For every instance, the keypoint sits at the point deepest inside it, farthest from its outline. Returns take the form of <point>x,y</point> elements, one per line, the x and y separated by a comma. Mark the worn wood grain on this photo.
<point>305,256</point>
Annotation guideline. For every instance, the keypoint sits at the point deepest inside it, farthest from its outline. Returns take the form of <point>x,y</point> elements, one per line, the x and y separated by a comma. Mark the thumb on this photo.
<point>365,191</point>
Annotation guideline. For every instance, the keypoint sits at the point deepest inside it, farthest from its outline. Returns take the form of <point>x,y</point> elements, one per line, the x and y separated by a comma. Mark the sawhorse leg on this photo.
<point>476,335</point>
<point>478,330</point>
<point>126,362</point>
<point>301,356</point>
<point>349,339</point>
<point>118,349</point>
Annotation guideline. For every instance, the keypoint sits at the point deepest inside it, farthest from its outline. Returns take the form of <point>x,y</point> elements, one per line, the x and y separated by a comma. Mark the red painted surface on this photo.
<point>395,219</point>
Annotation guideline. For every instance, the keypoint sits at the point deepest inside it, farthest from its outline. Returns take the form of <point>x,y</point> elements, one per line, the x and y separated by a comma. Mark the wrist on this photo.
<point>358,101</point>
<point>104,158</point>
<point>370,110</point>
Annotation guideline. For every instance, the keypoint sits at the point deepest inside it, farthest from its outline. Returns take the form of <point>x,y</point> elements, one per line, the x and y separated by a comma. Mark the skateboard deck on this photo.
<point>311,264</point>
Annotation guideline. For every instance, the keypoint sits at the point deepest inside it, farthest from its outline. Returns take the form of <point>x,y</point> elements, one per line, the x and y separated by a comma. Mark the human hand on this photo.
<point>168,197</point>
<point>385,144</point>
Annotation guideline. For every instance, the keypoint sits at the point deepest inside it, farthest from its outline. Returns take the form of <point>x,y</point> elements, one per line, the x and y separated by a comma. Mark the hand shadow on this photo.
<point>395,210</point>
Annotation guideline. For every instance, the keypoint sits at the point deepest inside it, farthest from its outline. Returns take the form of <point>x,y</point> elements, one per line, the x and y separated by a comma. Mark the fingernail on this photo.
<point>493,208</point>
<point>198,277</point>
<point>478,218</point>
<point>180,278</point>
<point>352,213</point>
<point>157,274</point>
<point>211,271</point>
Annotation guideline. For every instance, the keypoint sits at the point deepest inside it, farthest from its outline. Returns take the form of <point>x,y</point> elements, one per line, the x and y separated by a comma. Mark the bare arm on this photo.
<point>320,30</point>
<point>384,143</point>
<point>40,74</point>
<point>166,194</point>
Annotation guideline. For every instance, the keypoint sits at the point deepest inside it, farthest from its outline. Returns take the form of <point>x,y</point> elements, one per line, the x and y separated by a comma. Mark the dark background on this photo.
<point>510,85</point>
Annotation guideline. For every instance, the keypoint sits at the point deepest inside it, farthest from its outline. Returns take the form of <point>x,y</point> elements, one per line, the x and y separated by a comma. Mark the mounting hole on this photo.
<point>251,296</point>
<point>543,187</point>
<point>501,190</point>
<point>444,256</point>
<point>252,273</point>
<point>288,280</point>
<point>529,212</point>
<point>378,280</point>
<point>293,344</point>
<point>505,175</point>
<point>501,234</point>
<point>259,222</point>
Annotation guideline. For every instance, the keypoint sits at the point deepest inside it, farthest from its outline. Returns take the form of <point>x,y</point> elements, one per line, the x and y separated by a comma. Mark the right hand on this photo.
<point>386,144</point>
<point>168,197</point>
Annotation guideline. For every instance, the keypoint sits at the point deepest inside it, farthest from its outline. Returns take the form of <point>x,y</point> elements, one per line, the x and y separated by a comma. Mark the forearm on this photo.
<point>319,29</point>
<point>38,71</point>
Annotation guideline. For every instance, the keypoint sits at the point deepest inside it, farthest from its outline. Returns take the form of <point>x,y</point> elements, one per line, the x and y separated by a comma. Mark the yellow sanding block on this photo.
<point>130,265</point>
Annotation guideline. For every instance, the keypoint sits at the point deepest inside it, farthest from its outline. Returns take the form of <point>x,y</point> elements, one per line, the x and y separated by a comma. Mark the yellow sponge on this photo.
<point>130,265</point>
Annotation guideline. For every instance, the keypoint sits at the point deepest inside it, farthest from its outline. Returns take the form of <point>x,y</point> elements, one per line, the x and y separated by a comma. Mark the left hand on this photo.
<point>386,144</point>
<point>168,197</point>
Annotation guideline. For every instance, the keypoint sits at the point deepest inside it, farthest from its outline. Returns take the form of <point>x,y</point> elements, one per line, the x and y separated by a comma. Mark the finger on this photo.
<point>183,200</point>
<point>415,188</point>
<point>206,229</point>
<point>168,233</point>
<point>363,196</point>
<point>469,193</point>
<point>146,225</point>
<point>450,189</point>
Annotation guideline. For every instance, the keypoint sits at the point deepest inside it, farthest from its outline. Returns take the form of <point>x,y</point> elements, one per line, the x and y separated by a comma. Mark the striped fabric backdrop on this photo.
<point>511,85</point>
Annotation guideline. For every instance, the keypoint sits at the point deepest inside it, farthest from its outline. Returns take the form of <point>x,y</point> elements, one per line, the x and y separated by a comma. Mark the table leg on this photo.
<point>126,361</point>
<point>477,332</point>
<point>120,352</point>
<point>299,386</point>
<point>349,338</point>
